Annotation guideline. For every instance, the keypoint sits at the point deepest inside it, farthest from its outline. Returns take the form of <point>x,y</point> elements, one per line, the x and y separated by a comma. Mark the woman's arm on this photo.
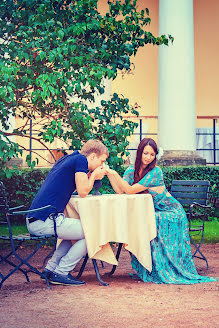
<point>114,182</point>
<point>121,186</point>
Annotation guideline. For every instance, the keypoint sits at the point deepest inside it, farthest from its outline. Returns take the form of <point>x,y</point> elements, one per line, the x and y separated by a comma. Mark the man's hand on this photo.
<point>89,174</point>
<point>99,173</point>
<point>84,182</point>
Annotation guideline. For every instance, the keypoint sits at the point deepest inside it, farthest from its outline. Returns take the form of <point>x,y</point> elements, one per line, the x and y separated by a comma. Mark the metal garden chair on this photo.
<point>16,241</point>
<point>193,195</point>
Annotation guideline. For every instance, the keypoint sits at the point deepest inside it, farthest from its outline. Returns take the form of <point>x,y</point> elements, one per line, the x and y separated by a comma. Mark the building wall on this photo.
<point>206,27</point>
<point>142,85</point>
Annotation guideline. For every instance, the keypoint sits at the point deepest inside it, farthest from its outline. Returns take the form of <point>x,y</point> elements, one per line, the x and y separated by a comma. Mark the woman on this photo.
<point>172,261</point>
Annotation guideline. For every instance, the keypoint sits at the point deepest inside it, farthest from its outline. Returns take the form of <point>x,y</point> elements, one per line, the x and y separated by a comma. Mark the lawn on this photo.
<point>211,231</point>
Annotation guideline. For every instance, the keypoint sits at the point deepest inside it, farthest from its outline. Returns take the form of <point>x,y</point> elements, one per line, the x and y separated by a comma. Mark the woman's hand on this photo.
<point>110,172</point>
<point>99,173</point>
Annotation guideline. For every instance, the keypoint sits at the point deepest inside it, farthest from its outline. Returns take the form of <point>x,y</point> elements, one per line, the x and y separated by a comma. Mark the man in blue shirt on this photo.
<point>67,175</point>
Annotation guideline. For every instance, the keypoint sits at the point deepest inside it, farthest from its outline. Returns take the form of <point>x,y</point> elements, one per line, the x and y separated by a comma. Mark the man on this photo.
<point>68,173</point>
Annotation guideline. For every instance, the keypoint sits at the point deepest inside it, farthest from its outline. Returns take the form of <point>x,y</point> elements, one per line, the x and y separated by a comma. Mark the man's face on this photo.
<point>95,161</point>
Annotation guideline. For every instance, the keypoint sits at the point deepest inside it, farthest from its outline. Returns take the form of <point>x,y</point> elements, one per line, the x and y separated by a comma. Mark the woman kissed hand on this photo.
<point>110,171</point>
<point>99,173</point>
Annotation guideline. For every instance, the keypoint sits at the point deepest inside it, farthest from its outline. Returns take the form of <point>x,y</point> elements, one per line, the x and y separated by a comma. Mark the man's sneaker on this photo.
<point>46,274</point>
<point>59,279</point>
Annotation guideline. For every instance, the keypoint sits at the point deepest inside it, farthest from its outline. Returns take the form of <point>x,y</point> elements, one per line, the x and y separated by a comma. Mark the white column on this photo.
<point>176,119</point>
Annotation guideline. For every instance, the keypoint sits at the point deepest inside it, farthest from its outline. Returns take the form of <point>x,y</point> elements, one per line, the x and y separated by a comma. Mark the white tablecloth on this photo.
<point>127,219</point>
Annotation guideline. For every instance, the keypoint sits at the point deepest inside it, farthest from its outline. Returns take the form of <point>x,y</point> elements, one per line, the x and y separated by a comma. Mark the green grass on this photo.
<point>17,229</point>
<point>211,231</point>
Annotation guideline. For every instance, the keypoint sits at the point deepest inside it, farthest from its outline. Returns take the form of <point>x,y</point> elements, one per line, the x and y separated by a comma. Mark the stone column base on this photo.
<point>181,158</point>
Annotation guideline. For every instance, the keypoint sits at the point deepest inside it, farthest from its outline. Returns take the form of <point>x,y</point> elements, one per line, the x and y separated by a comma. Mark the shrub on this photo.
<point>23,185</point>
<point>209,173</point>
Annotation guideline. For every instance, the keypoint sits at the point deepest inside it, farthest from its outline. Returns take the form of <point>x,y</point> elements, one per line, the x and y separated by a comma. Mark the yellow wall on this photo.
<point>206,27</point>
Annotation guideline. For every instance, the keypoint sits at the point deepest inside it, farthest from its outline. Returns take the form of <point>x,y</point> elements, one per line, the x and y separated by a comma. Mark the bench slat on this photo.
<point>191,201</point>
<point>191,182</point>
<point>186,188</point>
<point>189,195</point>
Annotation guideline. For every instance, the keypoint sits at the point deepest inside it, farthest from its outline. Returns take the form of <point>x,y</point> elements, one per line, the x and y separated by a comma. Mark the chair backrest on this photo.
<point>190,191</point>
<point>3,202</point>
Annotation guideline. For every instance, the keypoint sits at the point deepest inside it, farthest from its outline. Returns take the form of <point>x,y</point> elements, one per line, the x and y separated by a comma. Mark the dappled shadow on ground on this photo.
<point>124,303</point>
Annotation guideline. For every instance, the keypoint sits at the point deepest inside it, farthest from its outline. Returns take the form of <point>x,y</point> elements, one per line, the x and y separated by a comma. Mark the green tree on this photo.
<point>54,57</point>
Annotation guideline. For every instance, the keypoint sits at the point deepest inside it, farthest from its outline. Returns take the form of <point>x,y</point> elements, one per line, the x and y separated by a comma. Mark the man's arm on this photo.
<point>84,184</point>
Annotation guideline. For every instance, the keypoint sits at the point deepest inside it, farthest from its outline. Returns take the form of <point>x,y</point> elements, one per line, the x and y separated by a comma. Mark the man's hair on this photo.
<point>94,146</point>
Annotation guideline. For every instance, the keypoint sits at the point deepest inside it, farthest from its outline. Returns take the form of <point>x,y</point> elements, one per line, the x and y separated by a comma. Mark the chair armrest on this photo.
<point>200,205</point>
<point>15,208</point>
<point>34,210</point>
<point>193,213</point>
<point>192,209</point>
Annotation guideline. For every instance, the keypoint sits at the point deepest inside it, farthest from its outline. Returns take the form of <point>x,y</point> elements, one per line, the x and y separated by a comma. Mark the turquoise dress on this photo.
<point>172,261</point>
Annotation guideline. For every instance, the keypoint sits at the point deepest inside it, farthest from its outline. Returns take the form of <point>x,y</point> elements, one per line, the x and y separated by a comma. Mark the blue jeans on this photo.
<point>66,255</point>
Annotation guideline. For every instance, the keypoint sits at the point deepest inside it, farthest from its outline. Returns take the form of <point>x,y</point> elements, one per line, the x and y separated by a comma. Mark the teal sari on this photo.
<point>172,261</point>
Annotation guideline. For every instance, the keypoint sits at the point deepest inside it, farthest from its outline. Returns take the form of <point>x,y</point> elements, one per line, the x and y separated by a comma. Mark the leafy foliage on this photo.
<point>23,184</point>
<point>209,173</point>
<point>54,58</point>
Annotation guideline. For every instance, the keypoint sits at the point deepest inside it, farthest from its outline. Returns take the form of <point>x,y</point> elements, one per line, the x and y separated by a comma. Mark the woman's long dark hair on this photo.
<point>144,142</point>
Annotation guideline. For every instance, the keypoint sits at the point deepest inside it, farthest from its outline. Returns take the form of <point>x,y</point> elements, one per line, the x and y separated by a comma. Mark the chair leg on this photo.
<point>47,282</point>
<point>98,274</point>
<point>95,268</point>
<point>16,267</point>
<point>117,257</point>
<point>25,262</point>
<point>102,264</point>
<point>13,271</point>
<point>5,259</point>
<point>82,267</point>
<point>199,251</point>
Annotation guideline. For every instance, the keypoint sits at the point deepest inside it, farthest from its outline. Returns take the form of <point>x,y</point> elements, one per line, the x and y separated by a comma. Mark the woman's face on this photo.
<point>148,155</point>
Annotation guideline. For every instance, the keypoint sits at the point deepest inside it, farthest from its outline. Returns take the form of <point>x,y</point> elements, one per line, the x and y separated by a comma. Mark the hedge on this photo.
<point>23,185</point>
<point>210,173</point>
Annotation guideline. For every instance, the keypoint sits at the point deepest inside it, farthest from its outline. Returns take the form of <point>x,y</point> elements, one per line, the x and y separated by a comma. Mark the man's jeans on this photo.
<point>66,255</point>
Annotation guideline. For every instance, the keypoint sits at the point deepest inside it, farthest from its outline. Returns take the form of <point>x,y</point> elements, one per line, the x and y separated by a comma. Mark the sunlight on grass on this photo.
<point>17,229</point>
<point>211,234</point>
<point>211,231</point>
